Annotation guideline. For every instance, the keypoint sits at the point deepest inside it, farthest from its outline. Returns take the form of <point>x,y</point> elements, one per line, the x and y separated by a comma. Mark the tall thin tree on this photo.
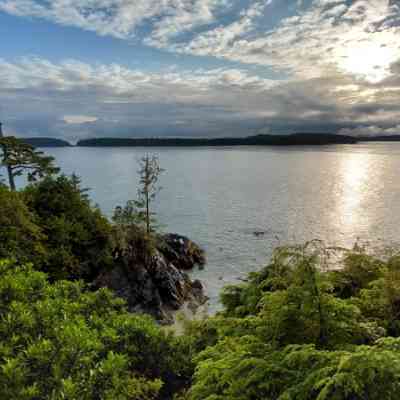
<point>149,173</point>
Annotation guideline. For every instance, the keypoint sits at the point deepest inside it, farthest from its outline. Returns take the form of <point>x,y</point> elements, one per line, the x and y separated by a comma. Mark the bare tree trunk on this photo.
<point>11,180</point>
<point>147,214</point>
<point>147,196</point>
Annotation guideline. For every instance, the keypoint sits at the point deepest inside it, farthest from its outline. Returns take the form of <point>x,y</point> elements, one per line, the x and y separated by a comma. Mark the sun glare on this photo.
<point>368,60</point>
<point>352,190</point>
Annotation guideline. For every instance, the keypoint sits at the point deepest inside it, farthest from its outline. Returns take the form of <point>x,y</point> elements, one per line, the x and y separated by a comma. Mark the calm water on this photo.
<point>220,196</point>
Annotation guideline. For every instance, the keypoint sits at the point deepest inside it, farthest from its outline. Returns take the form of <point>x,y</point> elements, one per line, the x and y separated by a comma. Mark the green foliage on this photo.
<point>246,368</point>
<point>22,158</point>
<point>293,331</point>
<point>20,237</point>
<point>78,241</point>
<point>128,215</point>
<point>134,235</point>
<point>359,269</point>
<point>61,341</point>
<point>132,243</point>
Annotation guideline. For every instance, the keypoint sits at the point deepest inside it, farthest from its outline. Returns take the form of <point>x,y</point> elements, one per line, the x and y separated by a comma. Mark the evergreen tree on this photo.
<point>149,172</point>
<point>21,158</point>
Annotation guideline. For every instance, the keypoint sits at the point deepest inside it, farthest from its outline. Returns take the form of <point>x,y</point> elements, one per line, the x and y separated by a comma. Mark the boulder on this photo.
<point>181,251</point>
<point>160,286</point>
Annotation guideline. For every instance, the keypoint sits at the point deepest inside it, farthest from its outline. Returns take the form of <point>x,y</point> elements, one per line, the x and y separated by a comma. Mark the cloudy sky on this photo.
<point>84,68</point>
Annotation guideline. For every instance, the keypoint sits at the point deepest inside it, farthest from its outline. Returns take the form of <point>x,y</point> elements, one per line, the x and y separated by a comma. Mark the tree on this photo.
<point>19,158</point>
<point>20,237</point>
<point>78,241</point>
<point>4,149</point>
<point>134,223</point>
<point>149,172</point>
<point>61,341</point>
<point>128,215</point>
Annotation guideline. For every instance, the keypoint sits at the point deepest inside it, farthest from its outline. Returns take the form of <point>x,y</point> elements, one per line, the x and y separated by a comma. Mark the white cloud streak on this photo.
<point>327,37</point>
<point>317,41</point>
<point>119,18</point>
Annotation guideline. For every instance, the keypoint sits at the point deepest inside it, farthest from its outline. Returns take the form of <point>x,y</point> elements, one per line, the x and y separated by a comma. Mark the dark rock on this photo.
<point>259,233</point>
<point>160,286</point>
<point>181,251</point>
<point>196,284</point>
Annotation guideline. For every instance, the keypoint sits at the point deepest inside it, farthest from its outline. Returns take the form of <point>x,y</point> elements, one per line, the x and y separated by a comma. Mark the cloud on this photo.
<point>79,119</point>
<point>79,99</point>
<point>358,37</point>
<point>328,36</point>
<point>72,99</point>
<point>371,130</point>
<point>217,38</point>
<point>338,63</point>
<point>119,18</point>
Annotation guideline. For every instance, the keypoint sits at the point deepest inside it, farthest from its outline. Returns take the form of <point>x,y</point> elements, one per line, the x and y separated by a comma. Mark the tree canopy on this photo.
<point>295,332</point>
<point>61,341</point>
<point>78,236</point>
<point>21,158</point>
<point>20,236</point>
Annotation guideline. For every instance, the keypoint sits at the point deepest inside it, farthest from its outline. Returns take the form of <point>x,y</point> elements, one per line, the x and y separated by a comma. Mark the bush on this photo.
<point>60,341</point>
<point>20,236</point>
<point>247,369</point>
<point>78,236</point>
<point>293,331</point>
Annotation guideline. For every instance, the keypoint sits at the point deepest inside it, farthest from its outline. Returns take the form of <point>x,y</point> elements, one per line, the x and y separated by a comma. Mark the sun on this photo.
<point>370,61</point>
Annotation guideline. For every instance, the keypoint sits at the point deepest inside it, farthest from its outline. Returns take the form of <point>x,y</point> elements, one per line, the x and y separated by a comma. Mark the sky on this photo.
<point>76,69</point>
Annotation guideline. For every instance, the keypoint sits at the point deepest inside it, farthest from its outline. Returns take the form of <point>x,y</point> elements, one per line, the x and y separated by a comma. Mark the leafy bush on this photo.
<point>60,341</point>
<point>131,242</point>
<point>247,369</point>
<point>294,331</point>
<point>78,236</point>
<point>20,236</point>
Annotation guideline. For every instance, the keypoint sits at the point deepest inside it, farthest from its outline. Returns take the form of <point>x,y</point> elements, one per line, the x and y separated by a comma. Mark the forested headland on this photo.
<point>297,139</point>
<point>257,140</point>
<point>46,142</point>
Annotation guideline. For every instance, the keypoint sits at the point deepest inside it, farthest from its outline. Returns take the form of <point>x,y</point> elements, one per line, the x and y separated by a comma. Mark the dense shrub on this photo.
<point>20,237</point>
<point>78,236</point>
<point>59,341</point>
<point>294,331</point>
<point>247,368</point>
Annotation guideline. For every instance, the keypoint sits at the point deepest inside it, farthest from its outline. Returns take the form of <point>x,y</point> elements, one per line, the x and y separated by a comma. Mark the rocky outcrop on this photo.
<point>181,251</point>
<point>160,286</point>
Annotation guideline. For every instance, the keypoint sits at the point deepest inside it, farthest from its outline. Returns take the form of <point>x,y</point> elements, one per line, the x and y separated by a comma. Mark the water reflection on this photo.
<point>358,191</point>
<point>355,168</point>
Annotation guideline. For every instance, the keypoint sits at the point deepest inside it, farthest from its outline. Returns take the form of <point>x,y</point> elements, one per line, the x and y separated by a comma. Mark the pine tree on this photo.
<point>149,173</point>
<point>21,158</point>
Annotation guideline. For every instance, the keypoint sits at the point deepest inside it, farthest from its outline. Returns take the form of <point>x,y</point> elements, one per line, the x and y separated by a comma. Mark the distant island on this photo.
<point>297,139</point>
<point>386,138</point>
<point>46,142</point>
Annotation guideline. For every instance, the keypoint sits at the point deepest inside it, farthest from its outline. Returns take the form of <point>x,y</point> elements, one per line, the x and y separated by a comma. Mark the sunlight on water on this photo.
<point>354,174</point>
